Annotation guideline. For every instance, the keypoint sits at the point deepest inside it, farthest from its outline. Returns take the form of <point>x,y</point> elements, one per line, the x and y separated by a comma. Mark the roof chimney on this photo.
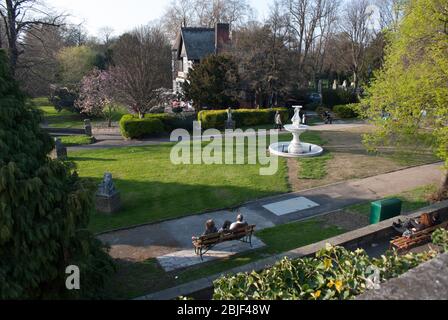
<point>222,37</point>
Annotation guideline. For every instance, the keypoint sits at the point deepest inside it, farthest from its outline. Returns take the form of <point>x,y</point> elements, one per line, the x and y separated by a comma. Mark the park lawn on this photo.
<point>412,200</point>
<point>137,279</point>
<point>71,141</point>
<point>66,119</point>
<point>314,168</point>
<point>153,189</point>
<point>63,119</point>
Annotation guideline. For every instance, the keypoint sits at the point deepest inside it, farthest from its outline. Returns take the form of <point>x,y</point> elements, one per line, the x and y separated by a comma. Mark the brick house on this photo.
<point>193,45</point>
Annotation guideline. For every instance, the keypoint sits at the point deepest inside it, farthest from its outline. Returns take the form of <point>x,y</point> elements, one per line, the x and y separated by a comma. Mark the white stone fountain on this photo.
<point>296,148</point>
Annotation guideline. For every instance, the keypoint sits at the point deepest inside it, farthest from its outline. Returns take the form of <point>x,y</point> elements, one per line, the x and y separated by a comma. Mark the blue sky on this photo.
<point>99,13</point>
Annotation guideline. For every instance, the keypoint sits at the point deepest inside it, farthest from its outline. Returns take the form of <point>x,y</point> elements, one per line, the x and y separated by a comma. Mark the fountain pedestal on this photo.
<point>296,148</point>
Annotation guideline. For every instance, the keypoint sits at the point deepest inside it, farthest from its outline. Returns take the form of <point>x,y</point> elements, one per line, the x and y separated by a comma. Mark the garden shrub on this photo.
<point>335,273</point>
<point>333,98</point>
<point>154,124</point>
<point>347,111</point>
<point>216,119</point>
<point>63,98</point>
<point>440,238</point>
<point>132,127</point>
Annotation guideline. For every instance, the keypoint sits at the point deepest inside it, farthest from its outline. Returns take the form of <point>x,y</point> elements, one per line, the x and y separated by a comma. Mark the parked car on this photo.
<point>315,98</point>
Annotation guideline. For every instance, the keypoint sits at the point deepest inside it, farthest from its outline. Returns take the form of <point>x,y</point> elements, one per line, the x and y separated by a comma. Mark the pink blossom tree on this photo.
<point>96,95</point>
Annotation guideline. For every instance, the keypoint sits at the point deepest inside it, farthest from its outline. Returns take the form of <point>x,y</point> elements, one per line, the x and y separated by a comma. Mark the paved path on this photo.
<point>167,237</point>
<point>113,139</point>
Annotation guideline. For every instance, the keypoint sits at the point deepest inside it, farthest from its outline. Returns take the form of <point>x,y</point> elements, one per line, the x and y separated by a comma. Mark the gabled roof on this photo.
<point>199,42</point>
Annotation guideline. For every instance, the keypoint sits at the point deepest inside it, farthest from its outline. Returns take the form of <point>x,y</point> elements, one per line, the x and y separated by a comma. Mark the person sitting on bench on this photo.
<point>210,228</point>
<point>225,227</point>
<point>240,223</point>
<point>409,227</point>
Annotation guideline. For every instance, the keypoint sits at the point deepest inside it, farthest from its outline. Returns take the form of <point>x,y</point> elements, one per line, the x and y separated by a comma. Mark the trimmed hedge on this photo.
<point>216,119</point>
<point>337,97</point>
<point>132,127</point>
<point>347,111</point>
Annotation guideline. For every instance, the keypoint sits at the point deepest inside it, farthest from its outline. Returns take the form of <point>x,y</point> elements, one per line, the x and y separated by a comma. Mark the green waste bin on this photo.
<point>385,209</point>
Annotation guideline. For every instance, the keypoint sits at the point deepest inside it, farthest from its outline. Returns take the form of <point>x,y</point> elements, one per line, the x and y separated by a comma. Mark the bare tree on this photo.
<point>142,66</point>
<point>356,26</point>
<point>306,22</point>
<point>199,13</point>
<point>390,13</point>
<point>105,34</point>
<point>38,66</point>
<point>20,16</point>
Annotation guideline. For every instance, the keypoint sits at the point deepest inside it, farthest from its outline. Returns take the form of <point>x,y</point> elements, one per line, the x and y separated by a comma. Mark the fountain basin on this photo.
<point>296,148</point>
<point>308,150</point>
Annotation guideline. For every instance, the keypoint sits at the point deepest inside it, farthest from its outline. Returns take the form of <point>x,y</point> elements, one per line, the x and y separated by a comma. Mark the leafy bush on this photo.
<point>63,98</point>
<point>333,98</point>
<point>440,238</point>
<point>334,273</point>
<point>216,119</point>
<point>347,111</point>
<point>132,127</point>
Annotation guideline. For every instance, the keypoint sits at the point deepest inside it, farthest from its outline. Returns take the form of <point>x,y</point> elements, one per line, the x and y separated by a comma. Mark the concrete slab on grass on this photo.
<point>289,206</point>
<point>187,258</point>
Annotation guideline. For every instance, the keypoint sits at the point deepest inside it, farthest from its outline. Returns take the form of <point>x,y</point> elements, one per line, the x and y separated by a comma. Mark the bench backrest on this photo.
<point>227,236</point>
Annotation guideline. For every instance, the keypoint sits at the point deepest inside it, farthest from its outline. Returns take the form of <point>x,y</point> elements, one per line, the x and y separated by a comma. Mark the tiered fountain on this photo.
<point>296,148</point>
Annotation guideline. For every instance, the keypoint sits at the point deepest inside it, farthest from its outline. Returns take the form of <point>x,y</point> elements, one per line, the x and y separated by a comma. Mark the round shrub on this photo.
<point>132,127</point>
<point>347,111</point>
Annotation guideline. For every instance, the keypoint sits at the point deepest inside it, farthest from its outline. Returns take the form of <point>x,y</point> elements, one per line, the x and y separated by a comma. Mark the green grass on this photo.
<point>154,189</point>
<point>63,119</point>
<point>70,141</point>
<point>66,119</point>
<point>412,200</point>
<point>137,279</point>
<point>314,168</point>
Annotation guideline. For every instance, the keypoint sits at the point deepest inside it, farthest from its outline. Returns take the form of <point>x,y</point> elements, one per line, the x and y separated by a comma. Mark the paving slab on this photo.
<point>187,258</point>
<point>289,206</point>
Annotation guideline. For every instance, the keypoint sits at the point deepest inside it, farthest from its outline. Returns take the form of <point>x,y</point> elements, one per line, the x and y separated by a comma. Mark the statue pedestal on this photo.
<point>59,153</point>
<point>108,204</point>
<point>230,124</point>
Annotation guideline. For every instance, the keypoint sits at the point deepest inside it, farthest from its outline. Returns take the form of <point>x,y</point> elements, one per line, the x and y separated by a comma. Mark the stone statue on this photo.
<point>335,84</point>
<point>107,187</point>
<point>88,128</point>
<point>108,199</point>
<point>344,85</point>
<point>229,115</point>
<point>297,119</point>
<point>230,124</point>
<point>60,151</point>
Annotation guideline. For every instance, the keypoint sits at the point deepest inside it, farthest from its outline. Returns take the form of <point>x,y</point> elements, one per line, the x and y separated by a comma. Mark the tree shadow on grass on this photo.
<point>78,159</point>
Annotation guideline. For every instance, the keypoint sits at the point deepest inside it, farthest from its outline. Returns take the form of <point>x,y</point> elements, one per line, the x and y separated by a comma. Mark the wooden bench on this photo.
<point>419,238</point>
<point>205,243</point>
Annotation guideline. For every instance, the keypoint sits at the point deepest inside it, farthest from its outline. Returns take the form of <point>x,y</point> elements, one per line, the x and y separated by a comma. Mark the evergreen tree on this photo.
<point>213,83</point>
<point>44,210</point>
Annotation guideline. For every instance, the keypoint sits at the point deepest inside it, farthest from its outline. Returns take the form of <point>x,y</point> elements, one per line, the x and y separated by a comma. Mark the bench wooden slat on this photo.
<point>208,241</point>
<point>421,237</point>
